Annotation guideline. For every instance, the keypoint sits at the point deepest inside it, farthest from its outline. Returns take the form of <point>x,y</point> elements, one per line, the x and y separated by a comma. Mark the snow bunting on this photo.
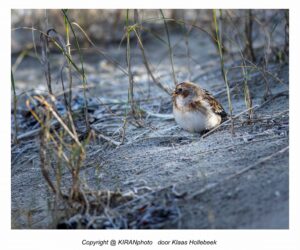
<point>195,109</point>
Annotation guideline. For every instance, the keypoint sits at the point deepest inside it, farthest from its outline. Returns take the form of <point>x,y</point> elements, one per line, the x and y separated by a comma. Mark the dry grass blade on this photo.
<point>224,72</point>
<point>68,51</point>
<point>187,32</point>
<point>54,36</point>
<point>180,21</point>
<point>147,66</point>
<point>44,137</point>
<point>249,50</point>
<point>58,118</point>
<point>128,61</point>
<point>54,147</point>
<point>45,164</point>
<point>15,107</point>
<point>84,80</point>
<point>20,58</point>
<point>45,61</point>
<point>286,32</point>
<point>114,62</point>
<point>170,47</point>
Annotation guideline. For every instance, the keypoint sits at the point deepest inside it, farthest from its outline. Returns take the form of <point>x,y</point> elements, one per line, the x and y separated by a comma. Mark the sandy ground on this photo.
<point>221,181</point>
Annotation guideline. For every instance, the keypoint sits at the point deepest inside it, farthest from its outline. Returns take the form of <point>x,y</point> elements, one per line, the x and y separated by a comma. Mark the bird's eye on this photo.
<point>179,90</point>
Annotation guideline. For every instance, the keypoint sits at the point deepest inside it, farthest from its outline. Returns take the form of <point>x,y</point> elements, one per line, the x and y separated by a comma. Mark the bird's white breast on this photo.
<point>196,121</point>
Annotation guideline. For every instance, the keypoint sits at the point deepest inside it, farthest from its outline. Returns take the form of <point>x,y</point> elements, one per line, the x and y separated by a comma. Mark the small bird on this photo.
<point>195,109</point>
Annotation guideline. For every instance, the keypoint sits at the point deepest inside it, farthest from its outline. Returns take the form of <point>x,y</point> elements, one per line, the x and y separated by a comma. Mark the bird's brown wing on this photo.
<point>216,106</point>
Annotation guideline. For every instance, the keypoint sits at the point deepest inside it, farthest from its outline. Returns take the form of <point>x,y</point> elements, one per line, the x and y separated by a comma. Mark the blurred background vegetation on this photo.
<point>259,36</point>
<point>107,26</point>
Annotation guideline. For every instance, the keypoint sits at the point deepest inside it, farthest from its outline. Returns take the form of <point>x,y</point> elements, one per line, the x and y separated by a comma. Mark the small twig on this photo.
<point>35,131</point>
<point>162,116</point>
<point>283,93</point>
<point>114,142</point>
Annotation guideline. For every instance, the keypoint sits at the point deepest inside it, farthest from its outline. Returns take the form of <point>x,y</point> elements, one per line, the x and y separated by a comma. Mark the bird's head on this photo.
<point>185,90</point>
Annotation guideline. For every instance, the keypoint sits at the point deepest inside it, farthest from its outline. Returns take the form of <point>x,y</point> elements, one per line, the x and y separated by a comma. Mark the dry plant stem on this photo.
<point>58,172</point>
<point>212,37</point>
<point>20,58</point>
<point>89,40</point>
<point>73,163</point>
<point>134,110</point>
<point>43,156</point>
<point>51,138</point>
<point>69,103</point>
<point>170,47</point>
<point>286,32</point>
<point>68,46</point>
<point>84,80</point>
<point>45,60</point>
<point>123,128</point>
<point>106,138</point>
<point>283,93</point>
<point>247,96</point>
<point>248,33</point>
<point>59,119</point>
<point>46,23</point>
<point>147,66</point>
<point>188,53</point>
<point>34,43</point>
<point>267,50</point>
<point>224,73</point>
<point>128,60</point>
<point>249,46</point>
<point>65,49</point>
<point>254,66</point>
<point>100,51</point>
<point>136,29</point>
<point>15,107</point>
<point>34,132</point>
<point>248,99</point>
<point>267,85</point>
